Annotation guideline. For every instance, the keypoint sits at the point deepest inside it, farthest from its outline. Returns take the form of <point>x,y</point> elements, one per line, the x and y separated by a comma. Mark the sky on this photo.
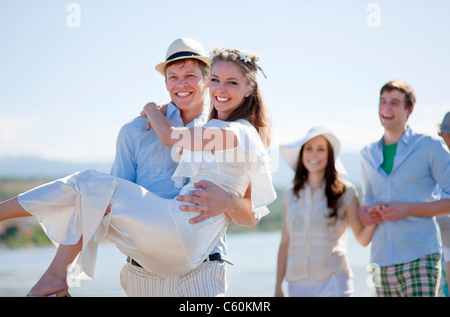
<point>73,72</point>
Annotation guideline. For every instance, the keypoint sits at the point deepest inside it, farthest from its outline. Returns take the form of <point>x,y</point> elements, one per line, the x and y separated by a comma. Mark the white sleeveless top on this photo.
<point>231,169</point>
<point>318,245</point>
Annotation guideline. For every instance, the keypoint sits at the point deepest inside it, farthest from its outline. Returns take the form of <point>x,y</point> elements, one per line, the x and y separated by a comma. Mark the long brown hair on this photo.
<point>334,187</point>
<point>253,108</point>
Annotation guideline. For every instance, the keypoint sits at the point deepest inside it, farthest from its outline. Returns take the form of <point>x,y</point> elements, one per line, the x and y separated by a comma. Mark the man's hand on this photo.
<point>161,105</point>
<point>380,212</point>
<point>394,211</point>
<point>209,199</point>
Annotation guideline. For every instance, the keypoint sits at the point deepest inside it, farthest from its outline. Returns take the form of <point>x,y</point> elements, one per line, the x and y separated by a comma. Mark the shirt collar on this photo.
<point>202,118</point>
<point>406,137</point>
<point>173,110</point>
<point>321,188</point>
<point>402,148</point>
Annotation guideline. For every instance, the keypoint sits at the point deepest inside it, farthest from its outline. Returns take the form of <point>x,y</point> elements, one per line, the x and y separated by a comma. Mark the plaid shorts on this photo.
<point>419,278</point>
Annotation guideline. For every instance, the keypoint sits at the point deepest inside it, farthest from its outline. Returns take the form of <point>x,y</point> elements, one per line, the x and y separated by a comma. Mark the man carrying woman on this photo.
<point>151,230</point>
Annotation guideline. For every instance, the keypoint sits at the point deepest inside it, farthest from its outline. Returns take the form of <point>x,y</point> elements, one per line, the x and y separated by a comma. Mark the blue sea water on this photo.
<point>253,275</point>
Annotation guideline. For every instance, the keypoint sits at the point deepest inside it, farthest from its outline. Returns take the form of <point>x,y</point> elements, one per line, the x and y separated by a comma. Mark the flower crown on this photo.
<point>246,56</point>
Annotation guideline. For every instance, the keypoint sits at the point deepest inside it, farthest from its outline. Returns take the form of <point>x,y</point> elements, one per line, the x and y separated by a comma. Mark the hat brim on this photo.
<point>161,67</point>
<point>291,151</point>
<point>445,129</point>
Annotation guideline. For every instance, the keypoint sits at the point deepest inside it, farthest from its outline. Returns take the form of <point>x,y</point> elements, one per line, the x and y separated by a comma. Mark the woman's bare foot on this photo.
<point>49,285</point>
<point>55,277</point>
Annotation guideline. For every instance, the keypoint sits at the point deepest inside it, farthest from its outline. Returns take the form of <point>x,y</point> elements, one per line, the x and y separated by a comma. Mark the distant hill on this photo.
<point>34,167</point>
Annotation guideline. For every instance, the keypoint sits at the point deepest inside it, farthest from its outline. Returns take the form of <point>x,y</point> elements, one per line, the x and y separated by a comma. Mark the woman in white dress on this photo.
<point>317,210</point>
<point>228,151</point>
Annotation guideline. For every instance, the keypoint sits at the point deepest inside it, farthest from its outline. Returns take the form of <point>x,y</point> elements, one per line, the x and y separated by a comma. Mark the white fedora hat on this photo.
<point>290,151</point>
<point>183,48</point>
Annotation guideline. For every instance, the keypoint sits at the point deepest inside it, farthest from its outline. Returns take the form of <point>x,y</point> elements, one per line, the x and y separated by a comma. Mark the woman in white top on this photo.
<point>317,209</point>
<point>227,151</point>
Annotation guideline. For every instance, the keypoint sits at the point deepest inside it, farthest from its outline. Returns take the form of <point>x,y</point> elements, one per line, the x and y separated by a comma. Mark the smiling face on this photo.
<point>228,87</point>
<point>392,110</point>
<point>315,155</point>
<point>187,86</point>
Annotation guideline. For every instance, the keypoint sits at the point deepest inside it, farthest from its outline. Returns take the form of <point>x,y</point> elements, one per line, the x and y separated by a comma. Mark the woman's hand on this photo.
<point>371,215</point>
<point>161,105</point>
<point>279,292</point>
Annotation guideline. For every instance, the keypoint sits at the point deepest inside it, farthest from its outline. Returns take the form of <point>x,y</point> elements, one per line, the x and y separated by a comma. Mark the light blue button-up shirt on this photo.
<point>143,159</point>
<point>421,162</point>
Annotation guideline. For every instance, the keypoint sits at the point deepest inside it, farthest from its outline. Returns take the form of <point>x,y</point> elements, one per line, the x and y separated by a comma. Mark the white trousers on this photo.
<point>146,227</point>
<point>336,286</point>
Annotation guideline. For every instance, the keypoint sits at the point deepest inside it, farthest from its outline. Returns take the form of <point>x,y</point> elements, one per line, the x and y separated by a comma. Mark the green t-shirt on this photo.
<point>388,157</point>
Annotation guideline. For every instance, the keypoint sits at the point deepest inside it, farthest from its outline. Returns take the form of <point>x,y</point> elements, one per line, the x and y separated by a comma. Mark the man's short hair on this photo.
<point>203,67</point>
<point>404,87</point>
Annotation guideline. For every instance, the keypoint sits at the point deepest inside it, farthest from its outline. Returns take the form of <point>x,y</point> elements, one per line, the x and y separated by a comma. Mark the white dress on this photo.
<point>146,227</point>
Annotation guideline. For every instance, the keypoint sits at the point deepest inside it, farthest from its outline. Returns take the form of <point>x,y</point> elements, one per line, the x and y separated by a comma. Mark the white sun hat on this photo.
<point>290,151</point>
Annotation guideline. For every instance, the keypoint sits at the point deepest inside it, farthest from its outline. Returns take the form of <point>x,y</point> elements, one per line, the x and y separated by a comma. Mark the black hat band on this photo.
<point>181,54</point>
